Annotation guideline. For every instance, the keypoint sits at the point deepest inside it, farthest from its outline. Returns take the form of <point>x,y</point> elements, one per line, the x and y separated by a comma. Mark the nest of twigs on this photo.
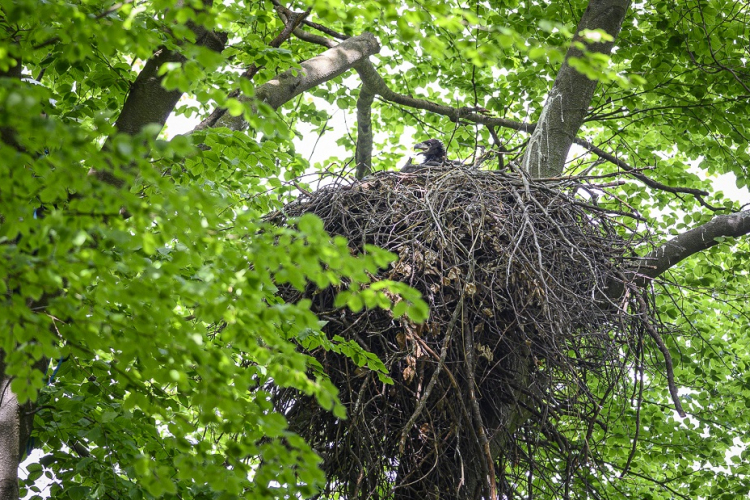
<point>523,344</point>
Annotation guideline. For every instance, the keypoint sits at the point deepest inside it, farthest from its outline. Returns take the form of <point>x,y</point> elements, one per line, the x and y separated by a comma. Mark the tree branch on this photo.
<point>316,39</point>
<point>641,177</point>
<point>370,76</point>
<point>679,248</point>
<point>696,240</point>
<point>363,155</point>
<point>290,24</point>
<point>149,102</point>
<point>313,72</point>
<point>571,94</point>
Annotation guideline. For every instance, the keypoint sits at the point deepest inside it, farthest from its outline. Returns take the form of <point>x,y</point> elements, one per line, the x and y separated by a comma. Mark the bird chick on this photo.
<point>432,150</point>
<point>433,155</point>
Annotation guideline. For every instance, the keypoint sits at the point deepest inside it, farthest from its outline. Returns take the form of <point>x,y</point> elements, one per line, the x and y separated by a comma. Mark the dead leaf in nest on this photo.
<point>418,258</point>
<point>403,268</point>
<point>424,430</point>
<point>419,352</point>
<point>470,289</point>
<point>428,329</point>
<point>488,312</point>
<point>431,270</point>
<point>485,352</point>
<point>401,340</point>
<point>435,287</point>
<point>410,370</point>
<point>430,256</point>
<point>453,274</point>
<point>408,374</point>
<point>478,327</point>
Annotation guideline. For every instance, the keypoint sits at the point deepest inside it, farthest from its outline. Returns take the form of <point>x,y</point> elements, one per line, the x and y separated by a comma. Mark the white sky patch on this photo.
<point>727,183</point>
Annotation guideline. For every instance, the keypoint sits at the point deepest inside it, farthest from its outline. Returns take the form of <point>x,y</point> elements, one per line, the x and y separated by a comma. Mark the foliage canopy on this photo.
<point>140,264</point>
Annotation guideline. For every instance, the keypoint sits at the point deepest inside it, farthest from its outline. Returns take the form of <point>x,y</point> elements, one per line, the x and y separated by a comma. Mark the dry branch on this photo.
<point>519,343</point>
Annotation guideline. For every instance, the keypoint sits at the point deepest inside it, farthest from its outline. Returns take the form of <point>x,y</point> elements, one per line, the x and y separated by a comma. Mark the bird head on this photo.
<point>432,150</point>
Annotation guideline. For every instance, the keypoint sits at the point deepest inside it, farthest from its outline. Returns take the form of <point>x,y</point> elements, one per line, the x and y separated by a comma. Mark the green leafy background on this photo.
<point>168,322</point>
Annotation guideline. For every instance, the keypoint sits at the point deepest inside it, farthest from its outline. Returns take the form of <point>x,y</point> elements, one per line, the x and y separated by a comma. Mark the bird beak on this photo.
<point>422,146</point>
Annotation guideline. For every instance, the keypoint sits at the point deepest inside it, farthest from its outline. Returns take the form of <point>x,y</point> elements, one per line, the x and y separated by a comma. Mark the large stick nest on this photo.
<point>508,376</point>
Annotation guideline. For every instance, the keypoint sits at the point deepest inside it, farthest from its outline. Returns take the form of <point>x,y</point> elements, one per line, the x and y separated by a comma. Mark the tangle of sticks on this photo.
<point>502,391</point>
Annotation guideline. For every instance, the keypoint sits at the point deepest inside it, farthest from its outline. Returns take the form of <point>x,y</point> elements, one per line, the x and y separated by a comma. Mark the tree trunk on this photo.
<point>16,422</point>
<point>571,94</point>
<point>10,439</point>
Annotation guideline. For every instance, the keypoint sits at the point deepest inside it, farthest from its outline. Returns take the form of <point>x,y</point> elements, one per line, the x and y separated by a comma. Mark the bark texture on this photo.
<point>313,72</point>
<point>148,101</point>
<point>571,94</point>
<point>10,438</point>
<point>696,240</point>
<point>16,423</point>
<point>364,131</point>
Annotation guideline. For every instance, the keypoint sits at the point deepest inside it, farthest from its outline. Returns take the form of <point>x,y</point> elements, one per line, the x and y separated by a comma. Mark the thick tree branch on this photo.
<point>148,101</point>
<point>290,24</point>
<point>696,240</point>
<point>312,73</point>
<point>571,94</point>
<point>672,252</point>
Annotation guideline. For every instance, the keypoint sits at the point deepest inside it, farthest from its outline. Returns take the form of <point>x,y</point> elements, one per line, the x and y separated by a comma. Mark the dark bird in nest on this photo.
<point>433,155</point>
<point>432,150</point>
